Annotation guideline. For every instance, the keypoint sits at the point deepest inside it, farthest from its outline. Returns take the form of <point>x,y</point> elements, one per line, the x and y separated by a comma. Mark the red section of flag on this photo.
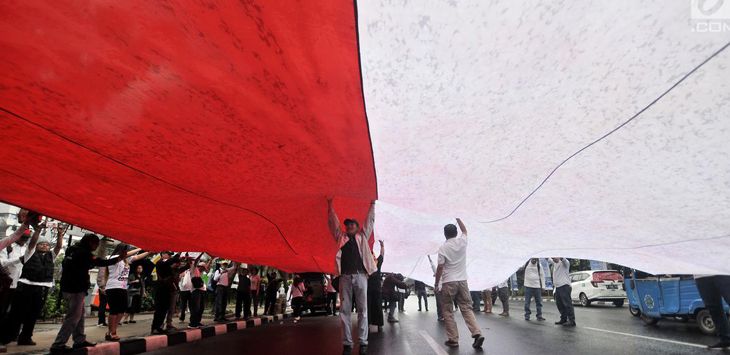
<point>216,126</point>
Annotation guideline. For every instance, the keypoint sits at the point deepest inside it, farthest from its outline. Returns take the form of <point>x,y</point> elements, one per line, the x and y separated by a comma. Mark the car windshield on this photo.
<point>607,276</point>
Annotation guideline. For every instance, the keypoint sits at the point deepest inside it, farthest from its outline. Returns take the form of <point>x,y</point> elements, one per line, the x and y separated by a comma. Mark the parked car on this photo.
<point>598,285</point>
<point>315,298</point>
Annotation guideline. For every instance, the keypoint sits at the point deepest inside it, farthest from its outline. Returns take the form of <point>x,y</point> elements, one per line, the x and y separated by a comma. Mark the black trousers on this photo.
<point>713,290</point>
<point>163,293</point>
<point>331,302</point>
<point>184,300</point>
<point>24,311</point>
<point>422,294</point>
<point>243,300</point>
<point>197,306</point>
<point>270,303</point>
<point>221,302</point>
<point>6,298</point>
<point>255,300</point>
<point>102,308</point>
<point>564,303</point>
<point>296,305</point>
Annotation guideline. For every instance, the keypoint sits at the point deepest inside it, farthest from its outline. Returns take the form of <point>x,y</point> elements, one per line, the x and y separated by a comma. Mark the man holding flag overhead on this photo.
<point>354,263</point>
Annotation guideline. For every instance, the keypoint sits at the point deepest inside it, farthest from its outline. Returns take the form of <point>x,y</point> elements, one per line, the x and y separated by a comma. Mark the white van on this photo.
<point>597,285</point>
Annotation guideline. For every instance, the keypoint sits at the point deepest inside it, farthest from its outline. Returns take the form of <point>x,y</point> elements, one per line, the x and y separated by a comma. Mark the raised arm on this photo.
<point>60,231</point>
<point>461,226</point>
<point>15,236</point>
<point>369,221</point>
<point>333,221</point>
<point>382,248</point>
<point>140,256</point>
<point>36,236</point>
<point>197,260</point>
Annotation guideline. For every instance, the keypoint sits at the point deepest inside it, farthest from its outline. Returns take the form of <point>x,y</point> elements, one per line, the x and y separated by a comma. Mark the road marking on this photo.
<point>646,337</point>
<point>431,342</point>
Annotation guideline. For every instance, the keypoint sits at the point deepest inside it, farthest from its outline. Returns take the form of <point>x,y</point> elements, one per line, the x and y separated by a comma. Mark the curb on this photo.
<point>545,299</point>
<point>139,345</point>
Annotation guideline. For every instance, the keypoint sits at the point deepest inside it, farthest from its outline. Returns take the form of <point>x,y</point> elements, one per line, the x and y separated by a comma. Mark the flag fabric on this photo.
<point>581,129</point>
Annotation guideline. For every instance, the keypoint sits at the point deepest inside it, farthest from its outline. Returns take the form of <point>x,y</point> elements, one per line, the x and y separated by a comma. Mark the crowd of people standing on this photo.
<point>185,284</point>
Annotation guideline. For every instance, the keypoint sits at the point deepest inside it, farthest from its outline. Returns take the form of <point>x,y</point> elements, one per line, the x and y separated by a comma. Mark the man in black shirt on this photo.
<point>78,261</point>
<point>243,294</point>
<point>164,289</point>
<point>420,289</point>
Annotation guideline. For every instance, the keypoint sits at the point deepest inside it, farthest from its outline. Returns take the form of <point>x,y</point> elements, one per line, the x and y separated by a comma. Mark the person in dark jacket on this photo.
<point>35,280</point>
<point>391,294</point>
<point>78,261</point>
<point>164,289</point>
<point>272,286</point>
<point>420,289</point>
<point>243,294</point>
<point>375,295</point>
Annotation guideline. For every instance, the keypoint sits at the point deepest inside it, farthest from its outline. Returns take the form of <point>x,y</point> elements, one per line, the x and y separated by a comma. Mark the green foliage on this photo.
<point>54,306</point>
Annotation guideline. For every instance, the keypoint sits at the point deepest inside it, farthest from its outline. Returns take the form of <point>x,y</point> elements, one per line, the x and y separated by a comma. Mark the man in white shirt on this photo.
<point>10,257</point>
<point>223,277</point>
<point>451,276</point>
<point>534,281</point>
<point>561,280</point>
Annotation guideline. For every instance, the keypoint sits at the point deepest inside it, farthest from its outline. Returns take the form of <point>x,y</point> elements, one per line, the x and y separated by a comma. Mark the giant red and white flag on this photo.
<point>586,129</point>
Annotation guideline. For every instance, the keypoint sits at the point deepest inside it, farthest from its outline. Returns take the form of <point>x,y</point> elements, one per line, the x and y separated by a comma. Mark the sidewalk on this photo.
<point>45,333</point>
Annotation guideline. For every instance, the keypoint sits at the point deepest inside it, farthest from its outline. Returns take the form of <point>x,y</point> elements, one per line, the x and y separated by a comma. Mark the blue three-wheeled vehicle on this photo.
<point>655,297</point>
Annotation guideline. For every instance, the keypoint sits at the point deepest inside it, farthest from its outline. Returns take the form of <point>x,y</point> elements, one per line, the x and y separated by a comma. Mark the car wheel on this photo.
<point>649,320</point>
<point>619,303</point>
<point>634,311</point>
<point>704,321</point>
<point>584,300</point>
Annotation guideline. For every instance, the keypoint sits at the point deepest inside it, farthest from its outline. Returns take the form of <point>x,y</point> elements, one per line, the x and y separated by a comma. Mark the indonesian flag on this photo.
<point>583,129</point>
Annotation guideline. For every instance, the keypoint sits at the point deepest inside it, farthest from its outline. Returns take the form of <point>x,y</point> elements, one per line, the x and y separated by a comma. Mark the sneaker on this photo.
<point>158,331</point>
<point>392,320</point>
<point>346,349</point>
<point>363,349</point>
<point>452,344</point>
<point>561,322</point>
<point>170,328</point>
<point>541,319</point>
<point>478,341</point>
<point>132,321</point>
<point>26,342</point>
<point>504,314</point>
<point>527,319</point>
<point>569,324</point>
<point>721,345</point>
<point>85,344</point>
<point>100,325</point>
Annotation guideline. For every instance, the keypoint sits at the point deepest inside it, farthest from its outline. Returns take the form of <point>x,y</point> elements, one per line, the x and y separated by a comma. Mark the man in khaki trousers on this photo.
<point>451,275</point>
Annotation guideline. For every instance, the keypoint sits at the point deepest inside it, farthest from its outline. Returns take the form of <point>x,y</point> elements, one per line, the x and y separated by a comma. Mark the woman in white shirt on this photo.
<point>116,288</point>
<point>297,297</point>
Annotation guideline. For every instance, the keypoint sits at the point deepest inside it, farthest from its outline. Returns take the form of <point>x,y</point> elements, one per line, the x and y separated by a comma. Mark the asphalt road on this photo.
<point>601,330</point>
